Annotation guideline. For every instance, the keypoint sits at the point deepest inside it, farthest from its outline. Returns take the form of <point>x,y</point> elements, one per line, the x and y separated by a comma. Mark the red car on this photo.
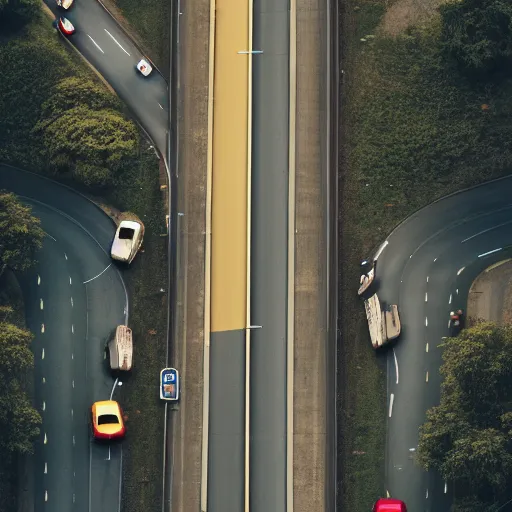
<point>65,26</point>
<point>389,505</point>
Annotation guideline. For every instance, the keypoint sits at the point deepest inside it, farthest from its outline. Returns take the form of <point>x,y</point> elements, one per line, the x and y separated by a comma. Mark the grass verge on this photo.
<point>413,130</point>
<point>34,61</point>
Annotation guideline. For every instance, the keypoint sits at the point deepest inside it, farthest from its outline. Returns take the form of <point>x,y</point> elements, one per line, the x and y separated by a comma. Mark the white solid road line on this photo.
<point>97,46</point>
<point>396,366</point>
<point>391,400</point>
<point>95,277</point>
<point>489,252</point>
<point>116,41</point>
<point>381,248</point>
<point>113,388</point>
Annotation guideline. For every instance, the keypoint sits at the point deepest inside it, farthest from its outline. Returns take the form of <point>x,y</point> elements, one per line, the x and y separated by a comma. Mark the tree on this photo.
<point>478,33</point>
<point>85,134</point>
<point>19,421</point>
<point>18,11</point>
<point>467,438</point>
<point>20,234</point>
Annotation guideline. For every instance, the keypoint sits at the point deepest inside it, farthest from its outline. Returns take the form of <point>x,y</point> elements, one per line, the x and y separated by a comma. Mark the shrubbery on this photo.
<point>84,134</point>
<point>55,118</point>
<point>468,437</point>
<point>478,34</point>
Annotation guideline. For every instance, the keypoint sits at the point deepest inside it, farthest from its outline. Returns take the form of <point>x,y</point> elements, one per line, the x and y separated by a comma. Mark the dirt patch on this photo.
<point>404,13</point>
<point>490,296</point>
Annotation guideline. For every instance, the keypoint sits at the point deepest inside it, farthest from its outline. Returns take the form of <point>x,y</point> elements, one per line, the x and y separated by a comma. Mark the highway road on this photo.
<point>74,298</point>
<point>269,257</point>
<point>105,45</point>
<point>427,268</point>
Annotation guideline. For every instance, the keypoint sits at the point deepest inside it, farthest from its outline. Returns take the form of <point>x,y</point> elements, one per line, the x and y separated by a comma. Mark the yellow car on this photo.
<point>107,420</point>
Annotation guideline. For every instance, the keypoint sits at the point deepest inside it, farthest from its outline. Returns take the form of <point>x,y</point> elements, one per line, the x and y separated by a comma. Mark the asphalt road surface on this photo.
<point>427,269</point>
<point>105,45</point>
<point>269,258</point>
<point>74,298</point>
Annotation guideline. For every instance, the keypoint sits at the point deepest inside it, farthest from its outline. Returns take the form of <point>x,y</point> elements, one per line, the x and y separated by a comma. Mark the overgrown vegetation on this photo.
<point>414,129</point>
<point>40,78</point>
<point>467,438</point>
<point>20,237</point>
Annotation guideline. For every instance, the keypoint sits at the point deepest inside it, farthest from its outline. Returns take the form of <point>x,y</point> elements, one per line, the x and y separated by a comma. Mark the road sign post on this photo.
<point>169,384</point>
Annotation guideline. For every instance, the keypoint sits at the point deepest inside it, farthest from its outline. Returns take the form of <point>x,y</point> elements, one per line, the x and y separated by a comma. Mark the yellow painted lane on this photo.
<point>230,173</point>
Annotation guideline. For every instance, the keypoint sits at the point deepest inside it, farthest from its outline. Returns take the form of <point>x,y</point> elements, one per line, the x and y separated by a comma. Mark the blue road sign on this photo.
<point>169,384</point>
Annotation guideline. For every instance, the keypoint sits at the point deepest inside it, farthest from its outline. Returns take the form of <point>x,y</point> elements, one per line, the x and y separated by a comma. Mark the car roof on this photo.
<point>107,407</point>
<point>129,224</point>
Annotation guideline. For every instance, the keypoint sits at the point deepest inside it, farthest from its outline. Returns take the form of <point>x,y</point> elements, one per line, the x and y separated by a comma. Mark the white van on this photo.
<point>120,349</point>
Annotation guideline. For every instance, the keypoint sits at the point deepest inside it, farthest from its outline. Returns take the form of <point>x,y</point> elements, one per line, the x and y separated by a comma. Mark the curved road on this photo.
<point>105,45</point>
<point>74,298</point>
<point>427,269</point>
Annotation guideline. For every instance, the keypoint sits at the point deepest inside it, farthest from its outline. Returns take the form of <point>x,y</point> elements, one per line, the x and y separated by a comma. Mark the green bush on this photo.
<point>478,34</point>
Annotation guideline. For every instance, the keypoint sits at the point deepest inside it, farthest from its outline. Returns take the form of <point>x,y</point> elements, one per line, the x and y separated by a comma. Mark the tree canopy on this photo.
<point>20,234</point>
<point>18,11</point>
<point>478,33</point>
<point>85,134</point>
<point>468,437</point>
<point>19,421</point>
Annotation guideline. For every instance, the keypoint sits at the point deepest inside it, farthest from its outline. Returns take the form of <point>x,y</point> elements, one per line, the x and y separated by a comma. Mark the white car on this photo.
<point>127,241</point>
<point>144,67</point>
<point>65,4</point>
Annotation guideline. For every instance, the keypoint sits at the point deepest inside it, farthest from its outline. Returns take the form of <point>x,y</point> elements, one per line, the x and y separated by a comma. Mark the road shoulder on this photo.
<point>188,349</point>
<point>310,249</point>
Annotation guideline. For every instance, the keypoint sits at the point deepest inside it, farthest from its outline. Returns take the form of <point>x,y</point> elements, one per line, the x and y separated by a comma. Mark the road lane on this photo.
<point>104,44</point>
<point>71,321</point>
<point>269,256</point>
<point>229,220</point>
<point>420,270</point>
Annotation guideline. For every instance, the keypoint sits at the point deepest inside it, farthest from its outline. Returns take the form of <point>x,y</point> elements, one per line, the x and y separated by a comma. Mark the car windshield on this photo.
<point>126,233</point>
<point>108,419</point>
